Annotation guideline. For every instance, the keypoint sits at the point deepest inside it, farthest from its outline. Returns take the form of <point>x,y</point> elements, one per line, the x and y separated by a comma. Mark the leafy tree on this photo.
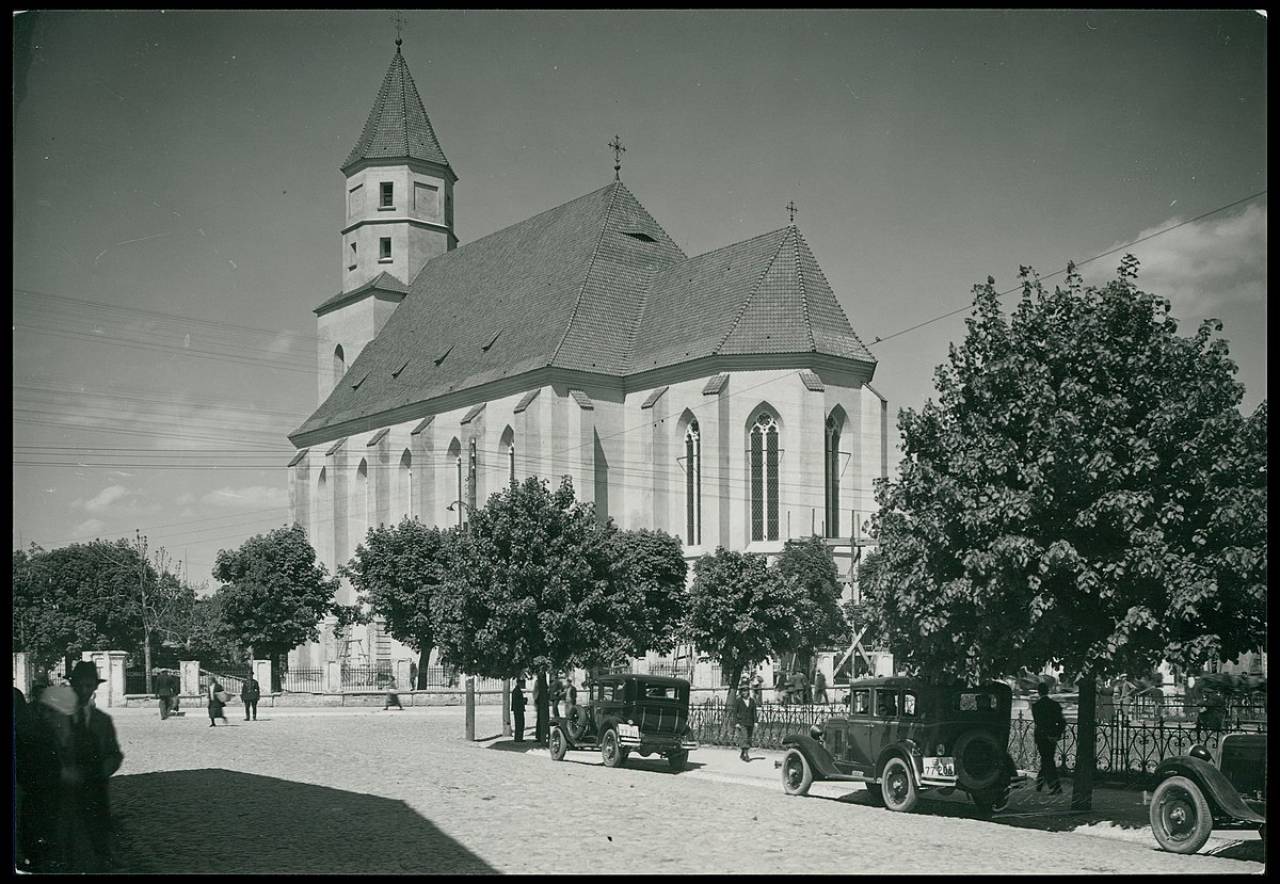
<point>275,593</point>
<point>206,636</point>
<point>75,598</point>
<point>742,612</point>
<point>399,572</point>
<point>645,599</point>
<point>1085,492</point>
<point>807,562</point>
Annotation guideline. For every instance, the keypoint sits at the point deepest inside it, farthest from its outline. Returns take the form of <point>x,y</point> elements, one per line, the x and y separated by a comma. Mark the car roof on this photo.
<point>647,679</point>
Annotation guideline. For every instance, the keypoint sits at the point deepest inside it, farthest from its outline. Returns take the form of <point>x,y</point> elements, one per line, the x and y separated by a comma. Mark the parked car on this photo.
<point>902,737</point>
<point>625,713</point>
<point>1194,796</point>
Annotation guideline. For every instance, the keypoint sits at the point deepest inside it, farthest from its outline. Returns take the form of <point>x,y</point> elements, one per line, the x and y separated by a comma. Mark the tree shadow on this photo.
<point>590,757</point>
<point>220,821</point>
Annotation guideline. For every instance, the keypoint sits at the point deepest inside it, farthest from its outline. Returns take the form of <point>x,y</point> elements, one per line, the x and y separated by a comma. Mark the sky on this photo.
<point>177,198</point>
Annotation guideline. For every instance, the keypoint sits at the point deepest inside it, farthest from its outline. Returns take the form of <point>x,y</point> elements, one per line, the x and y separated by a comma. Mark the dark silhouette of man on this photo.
<point>541,723</point>
<point>517,710</point>
<point>166,690</point>
<point>743,716</point>
<point>1050,726</point>
<point>250,692</point>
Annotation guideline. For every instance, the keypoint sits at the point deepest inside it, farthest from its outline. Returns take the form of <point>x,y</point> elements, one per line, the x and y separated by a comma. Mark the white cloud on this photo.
<point>103,499</point>
<point>185,498</point>
<point>1202,267</point>
<point>251,497</point>
<point>87,528</point>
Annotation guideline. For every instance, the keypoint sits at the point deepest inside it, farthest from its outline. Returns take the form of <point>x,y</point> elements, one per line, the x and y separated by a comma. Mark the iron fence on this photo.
<point>230,677</point>
<point>302,681</point>
<point>1125,748</point>
<point>671,670</point>
<point>378,677</point>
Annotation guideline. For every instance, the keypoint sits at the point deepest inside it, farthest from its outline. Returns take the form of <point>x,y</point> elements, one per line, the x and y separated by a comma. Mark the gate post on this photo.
<point>471,708</point>
<point>22,673</point>
<point>506,707</point>
<point>190,678</point>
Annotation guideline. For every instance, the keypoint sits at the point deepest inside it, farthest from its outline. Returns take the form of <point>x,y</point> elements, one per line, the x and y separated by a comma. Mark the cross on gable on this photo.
<point>791,212</point>
<point>618,151</point>
<point>398,19</point>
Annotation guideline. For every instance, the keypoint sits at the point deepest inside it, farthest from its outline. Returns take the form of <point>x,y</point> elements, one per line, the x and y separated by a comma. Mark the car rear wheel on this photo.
<point>610,751</point>
<point>979,761</point>
<point>557,744</point>
<point>1180,816</point>
<point>677,760</point>
<point>898,786</point>
<point>797,775</point>
<point>578,721</point>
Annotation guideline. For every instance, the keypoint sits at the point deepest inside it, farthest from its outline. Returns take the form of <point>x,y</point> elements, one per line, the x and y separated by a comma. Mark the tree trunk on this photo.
<point>274,657</point>
<point>735,676</point>
<point>542,709</point>
<point>424,657</point>
<point>1086,744</point>
<point>146,656</point>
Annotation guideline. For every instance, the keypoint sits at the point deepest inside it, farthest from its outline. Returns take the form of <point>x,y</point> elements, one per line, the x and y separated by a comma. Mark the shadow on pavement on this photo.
<point>214,820</point>
<point>591,757</point>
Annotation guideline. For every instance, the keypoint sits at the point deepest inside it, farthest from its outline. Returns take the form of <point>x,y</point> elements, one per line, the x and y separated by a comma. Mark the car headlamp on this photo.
<point>815,732</point>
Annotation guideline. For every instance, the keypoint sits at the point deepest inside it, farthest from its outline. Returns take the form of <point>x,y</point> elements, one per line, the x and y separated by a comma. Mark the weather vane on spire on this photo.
<point>399,22</point>
<point>791,211</point>
<point>618,151</point>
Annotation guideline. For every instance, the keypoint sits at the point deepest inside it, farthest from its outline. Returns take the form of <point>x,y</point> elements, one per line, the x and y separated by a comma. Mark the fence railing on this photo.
<point>302,681</point>
<point>1125,748</point>
<point>379,676</point>
<point>231,679</point>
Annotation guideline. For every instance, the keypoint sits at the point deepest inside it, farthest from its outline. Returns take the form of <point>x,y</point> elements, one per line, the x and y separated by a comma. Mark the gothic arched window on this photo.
<point>362,493</point>
<point>764,477</point>
<point>339,364</point>
<point>693,484</point>
<point>831,471</point>
<point>404,484</point>
<point>473,477</point>
<point>508,444</point>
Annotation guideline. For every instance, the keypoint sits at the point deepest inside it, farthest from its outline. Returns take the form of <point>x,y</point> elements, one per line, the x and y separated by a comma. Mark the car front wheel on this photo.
<point>897,786</point>
<point>676,760</point>
<point>1180,816</point>
<point>557,744</point>
<point>797,775</point>
<point>610,751</point>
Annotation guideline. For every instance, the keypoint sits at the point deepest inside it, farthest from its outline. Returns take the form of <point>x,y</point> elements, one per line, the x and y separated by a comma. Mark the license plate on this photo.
<point>629,731</point>
<point>939,767</point>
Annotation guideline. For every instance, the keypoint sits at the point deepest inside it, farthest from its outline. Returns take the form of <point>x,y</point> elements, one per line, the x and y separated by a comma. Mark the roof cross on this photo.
<point>791,211</point>
<point>399,23</point>
<point>618,151</point>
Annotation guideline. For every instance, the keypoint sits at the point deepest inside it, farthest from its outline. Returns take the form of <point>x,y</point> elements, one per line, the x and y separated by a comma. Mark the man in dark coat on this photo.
<point>88,754</point>
<point>166,690</point>
<point>1050,726</point>
<point>517,710</point>
<point>250,691</point>
<point>37,772</point>
<point>542,724</point>
<point>743,716</point>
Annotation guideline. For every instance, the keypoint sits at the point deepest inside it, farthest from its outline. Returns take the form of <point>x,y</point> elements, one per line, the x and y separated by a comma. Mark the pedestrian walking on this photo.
<point>250,691</point>
<point>1049,728</point>
<point>820,688</point>
<point>217,699</point>
<point>757,688</point>
<point>517,710</point>
<point>541,726</point>
<point>166,691</point>
<point>570,694</point>
<point>393,699</point>
<point>799,687</point>
<point>744,721</point>
<point>88,754</point>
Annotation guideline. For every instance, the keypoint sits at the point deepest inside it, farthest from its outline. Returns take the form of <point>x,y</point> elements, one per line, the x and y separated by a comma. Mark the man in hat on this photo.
<point>517,710</point>
<point>743,716</point>
<point>166,690</point>
<point>88,754</point>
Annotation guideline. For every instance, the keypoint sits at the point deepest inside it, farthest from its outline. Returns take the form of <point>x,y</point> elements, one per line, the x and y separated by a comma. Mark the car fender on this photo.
<point>1223,797</point>
<point>558,721</point>
<point>908,749</point>
<point>815,753</point>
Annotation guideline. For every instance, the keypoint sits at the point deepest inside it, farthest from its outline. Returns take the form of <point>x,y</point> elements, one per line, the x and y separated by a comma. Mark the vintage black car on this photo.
<point>902,736</point>
<point>1194,796</point>
<point>646,714</point>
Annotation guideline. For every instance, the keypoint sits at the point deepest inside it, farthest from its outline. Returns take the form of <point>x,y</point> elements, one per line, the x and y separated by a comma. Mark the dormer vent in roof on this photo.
<point>444,355</point>
<point>396,373</point>
<point>486,347</point>
<point>640,235</point>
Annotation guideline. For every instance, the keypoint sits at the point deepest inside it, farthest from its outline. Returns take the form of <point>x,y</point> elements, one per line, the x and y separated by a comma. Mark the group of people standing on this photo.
<point>548,695</point>
<point>65,752</point>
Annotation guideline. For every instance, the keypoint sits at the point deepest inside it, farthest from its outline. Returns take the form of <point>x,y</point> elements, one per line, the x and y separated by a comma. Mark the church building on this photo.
<point>723,398</point>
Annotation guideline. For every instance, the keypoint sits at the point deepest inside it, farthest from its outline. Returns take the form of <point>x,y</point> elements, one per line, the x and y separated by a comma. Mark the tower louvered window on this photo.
<point>693,484</point>
<point>764,478</point>
<point>472,475</point>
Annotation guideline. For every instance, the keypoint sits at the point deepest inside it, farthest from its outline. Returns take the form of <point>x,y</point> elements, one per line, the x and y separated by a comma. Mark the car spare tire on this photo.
<point>577,722</point>
<point>979,760</point>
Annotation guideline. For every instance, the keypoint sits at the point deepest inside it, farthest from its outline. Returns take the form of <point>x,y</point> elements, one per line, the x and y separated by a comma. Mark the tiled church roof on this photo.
<point>595,285</point>
<point>398,125</point>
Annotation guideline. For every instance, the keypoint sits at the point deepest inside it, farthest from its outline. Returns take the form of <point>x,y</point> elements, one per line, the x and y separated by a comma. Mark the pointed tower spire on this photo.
<point>398,126</point>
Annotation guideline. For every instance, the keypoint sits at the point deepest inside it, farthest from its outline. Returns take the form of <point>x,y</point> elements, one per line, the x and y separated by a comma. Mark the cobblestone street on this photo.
<point>370,791</point>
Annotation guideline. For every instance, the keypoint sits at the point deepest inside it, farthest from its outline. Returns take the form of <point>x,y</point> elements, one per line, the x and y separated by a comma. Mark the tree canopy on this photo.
<point>1085,492</point>
<point>535,582</point>
<point>807,561</point>
<point>274,592</point>
<point>741,611</point>
<point>399,572</point>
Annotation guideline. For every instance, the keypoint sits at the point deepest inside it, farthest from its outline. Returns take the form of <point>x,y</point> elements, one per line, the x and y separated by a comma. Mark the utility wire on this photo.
<point>1018,288</point>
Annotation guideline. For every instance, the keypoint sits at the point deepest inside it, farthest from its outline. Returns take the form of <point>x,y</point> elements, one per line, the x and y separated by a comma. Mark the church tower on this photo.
<point>399,215</point>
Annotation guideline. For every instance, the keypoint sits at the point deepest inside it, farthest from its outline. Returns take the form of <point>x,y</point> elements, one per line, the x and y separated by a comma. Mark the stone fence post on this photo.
<point>22,673</point>
<point>261,670</point>
<point>333,677</point>
<point>404,678</point>
<point>190,677</point>
<point>111,670</point>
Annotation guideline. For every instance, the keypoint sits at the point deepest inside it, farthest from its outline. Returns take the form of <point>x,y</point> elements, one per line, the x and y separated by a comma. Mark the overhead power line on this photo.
<point>1018,288</point>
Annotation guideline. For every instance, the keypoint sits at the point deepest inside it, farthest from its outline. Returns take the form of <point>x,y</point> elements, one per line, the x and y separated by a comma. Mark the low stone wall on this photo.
<point>188,702</point>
